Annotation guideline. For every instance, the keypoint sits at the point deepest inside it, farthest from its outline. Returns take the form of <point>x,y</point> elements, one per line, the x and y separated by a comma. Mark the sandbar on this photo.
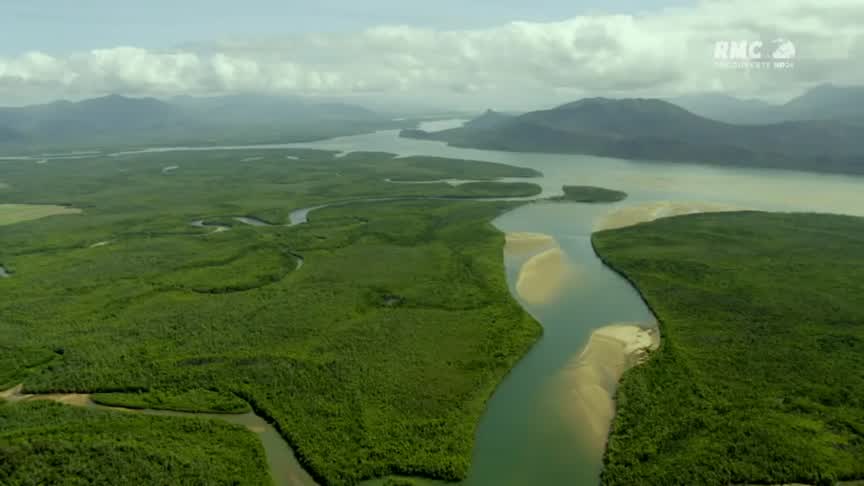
<point>543,277</point>
<point>586,387</point>
<point>525,244</point>
<point>643,213</point>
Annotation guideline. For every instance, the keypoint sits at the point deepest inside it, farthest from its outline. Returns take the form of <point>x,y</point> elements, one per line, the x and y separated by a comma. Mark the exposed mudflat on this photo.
<point>643,213</point>
<point>588,383</point>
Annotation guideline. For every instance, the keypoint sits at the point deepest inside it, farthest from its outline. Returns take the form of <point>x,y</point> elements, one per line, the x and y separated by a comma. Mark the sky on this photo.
<point>507,54</point>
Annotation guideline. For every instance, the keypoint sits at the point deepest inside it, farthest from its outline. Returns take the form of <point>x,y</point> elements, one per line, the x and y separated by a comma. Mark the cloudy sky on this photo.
<point>454,53</point>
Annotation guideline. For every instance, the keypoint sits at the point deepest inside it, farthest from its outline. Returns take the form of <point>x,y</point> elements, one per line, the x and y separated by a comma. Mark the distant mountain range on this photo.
<point>825,102</point>
<point>120,119</point>
<point>653,129</point>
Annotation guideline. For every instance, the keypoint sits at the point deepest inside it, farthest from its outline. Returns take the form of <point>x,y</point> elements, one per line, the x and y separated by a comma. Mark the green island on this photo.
<point>590,194</point>
<point>374,358</point>
<point>198,400</point>
<point>758,380</point>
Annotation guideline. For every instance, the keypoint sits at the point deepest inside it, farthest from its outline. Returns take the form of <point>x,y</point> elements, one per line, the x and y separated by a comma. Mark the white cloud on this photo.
<point>661,53</point>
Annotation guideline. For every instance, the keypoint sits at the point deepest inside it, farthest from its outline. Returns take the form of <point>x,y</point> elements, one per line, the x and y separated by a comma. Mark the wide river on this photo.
<point>528,434</point>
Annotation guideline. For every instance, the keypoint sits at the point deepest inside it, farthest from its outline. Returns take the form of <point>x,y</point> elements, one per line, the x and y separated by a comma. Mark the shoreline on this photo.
<point>589,382</point>
<point>652,211</point>
<point>593,376</point>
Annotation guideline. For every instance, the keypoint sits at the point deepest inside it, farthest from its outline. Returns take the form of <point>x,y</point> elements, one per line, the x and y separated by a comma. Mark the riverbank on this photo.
<point>742,391</point>
<point>647,212</point>
<point>590,380</point>
<point>582,392</point>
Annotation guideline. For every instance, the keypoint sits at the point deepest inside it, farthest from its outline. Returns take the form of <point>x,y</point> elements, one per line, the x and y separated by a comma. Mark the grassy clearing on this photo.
<point>16,213</point>
<point>759,376</point>
<point>48,443</point>
<point>376,358</point>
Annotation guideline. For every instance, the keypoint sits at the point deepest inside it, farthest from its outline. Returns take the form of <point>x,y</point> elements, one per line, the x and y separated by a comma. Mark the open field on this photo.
<point>16,213</point>
<point>758,379</point>
<point>376,357</point>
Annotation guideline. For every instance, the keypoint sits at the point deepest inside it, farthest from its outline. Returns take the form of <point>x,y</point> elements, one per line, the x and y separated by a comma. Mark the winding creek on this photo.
<point>534,429</point>
<point>284,467</point>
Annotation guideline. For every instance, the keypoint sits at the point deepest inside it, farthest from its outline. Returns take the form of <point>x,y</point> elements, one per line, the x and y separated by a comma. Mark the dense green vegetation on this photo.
<point>47,443</point>
<point>183,401</point>
<point>498,189</point>
<point>591,194</point>
<point>759,378</point>
<point>375,358</point>
<point>653,129</point>
<point>16,362</point>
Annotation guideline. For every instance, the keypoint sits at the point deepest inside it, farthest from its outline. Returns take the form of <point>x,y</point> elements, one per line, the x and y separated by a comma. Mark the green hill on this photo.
<point>652,129</point>
<point>119,120</point>
<point>823,102</point>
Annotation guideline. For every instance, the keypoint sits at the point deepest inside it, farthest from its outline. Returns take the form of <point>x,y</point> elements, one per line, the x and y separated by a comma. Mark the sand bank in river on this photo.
<point>586,386</point>
<point>543,277</point>
<point>643,213</point>
<point>525,244</point>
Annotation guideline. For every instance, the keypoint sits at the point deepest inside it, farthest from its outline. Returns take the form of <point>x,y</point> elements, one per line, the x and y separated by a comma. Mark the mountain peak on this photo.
<point>488,120</point>
<point>622,103</point>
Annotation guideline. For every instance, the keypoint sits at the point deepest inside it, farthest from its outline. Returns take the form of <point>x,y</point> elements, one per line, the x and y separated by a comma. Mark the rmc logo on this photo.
<point>755,54</point>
